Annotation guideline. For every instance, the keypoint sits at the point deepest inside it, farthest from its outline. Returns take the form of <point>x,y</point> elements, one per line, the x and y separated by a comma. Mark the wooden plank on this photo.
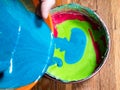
<point>88,3</point>
<point>116,39</point>
<point>117,56</point>
<point>68,87</point>
<point>45,84</point>
<point>91,84</point>
<point>60,86</point>
<point>65,2</point>
<point>58,2</point>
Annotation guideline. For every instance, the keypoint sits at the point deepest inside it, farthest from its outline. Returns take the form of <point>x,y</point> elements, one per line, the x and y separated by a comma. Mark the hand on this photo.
<point>46,5</point>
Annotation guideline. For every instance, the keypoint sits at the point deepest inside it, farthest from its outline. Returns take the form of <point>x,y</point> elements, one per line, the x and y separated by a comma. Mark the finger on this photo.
<point>46,6</point>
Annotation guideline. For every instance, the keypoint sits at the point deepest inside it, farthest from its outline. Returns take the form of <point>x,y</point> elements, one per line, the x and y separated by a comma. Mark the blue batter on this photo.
<point>74,49</point>
<point>25,45</point>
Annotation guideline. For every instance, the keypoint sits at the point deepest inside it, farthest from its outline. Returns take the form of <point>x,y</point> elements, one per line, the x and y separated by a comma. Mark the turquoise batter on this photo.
<point>25,45</point>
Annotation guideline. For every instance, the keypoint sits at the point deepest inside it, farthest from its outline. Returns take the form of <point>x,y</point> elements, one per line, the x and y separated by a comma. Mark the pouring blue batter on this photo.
<point>26,45</point>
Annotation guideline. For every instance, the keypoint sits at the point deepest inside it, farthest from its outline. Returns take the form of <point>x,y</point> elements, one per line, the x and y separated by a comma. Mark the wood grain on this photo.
<point>116,39</point>
<point>109,76</point>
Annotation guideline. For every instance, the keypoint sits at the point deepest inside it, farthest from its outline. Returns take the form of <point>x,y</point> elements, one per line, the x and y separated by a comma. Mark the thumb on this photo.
<point>46,5</point>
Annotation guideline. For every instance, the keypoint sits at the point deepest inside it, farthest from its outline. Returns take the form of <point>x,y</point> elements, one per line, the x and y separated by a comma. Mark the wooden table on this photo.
<point>109,76</point>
